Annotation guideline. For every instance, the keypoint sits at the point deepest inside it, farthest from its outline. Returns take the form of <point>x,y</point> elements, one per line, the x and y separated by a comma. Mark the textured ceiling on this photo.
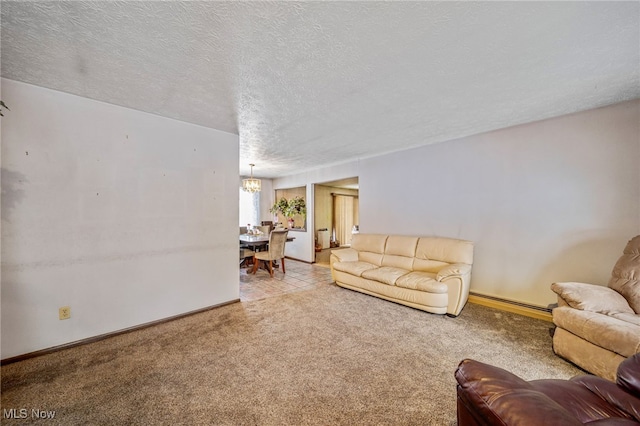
<point>314,83</point>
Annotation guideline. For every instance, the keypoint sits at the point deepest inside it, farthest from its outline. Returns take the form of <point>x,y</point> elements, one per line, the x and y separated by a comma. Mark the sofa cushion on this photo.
<point>374,243</point>
<point>423,281</point>
<point>447,250</point>
<point>370,247</point>
<point>602,330</point>
<point>384,274</point>
<point>353,268</point>
<point>621,403</point>
<point>401,262</point>
<point>427,265</point>
<point>630,318</point>
<point>401,245</point>
<point>589,398</point>
<point>399,251</point>
<point>591,297</point>
<point>625,277</point>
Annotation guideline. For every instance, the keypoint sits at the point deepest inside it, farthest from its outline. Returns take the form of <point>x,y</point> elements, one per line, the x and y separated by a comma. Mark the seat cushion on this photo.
<point>588,398</point>
<point>353,268</point>
<point>423,281</point>
<point>602,330</point>
<point>384,274</point>
<point>630,318</point>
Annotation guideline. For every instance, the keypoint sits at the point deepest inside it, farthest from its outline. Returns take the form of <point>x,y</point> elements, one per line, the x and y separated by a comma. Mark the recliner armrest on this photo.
<point>591,297</point>
<point>455,269</point>
<point>499,397</point>
<point>628,376</point>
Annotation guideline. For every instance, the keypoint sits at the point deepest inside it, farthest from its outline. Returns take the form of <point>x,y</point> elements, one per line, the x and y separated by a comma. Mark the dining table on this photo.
<point>257,241</point>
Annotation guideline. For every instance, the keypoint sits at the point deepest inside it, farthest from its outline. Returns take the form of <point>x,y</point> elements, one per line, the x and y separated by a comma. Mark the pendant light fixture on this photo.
<point>251,185</point>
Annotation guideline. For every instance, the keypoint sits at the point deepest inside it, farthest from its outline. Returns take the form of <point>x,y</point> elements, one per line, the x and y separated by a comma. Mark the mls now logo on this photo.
<point>15,413</point>
<point>23,413</point>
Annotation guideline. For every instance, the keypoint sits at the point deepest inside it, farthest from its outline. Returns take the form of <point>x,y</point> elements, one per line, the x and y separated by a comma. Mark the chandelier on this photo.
<point>251,185</point>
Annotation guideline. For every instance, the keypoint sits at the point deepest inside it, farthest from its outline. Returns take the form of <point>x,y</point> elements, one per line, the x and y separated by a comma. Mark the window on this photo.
<point>249,208</point>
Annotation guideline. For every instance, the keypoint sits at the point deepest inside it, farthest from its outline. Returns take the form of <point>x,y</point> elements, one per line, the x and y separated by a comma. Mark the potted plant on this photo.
<point>290,208</point>
<point>280,207</point>
<point>297,206</point>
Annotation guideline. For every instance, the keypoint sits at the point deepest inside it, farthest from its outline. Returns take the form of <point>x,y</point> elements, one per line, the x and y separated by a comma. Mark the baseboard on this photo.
<point>107,335</point>
<point>510,306</point>
<point>298,260</point>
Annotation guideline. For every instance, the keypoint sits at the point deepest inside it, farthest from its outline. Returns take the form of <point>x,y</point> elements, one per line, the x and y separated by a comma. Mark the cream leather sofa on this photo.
<point>598,327</point>
<point>428,273</point>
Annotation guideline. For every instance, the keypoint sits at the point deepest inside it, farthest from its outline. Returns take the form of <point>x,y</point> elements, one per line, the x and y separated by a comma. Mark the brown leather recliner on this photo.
<point>488,395</point>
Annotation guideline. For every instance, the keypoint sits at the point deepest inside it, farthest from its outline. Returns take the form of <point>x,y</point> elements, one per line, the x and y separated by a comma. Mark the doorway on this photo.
<point>336,216</point>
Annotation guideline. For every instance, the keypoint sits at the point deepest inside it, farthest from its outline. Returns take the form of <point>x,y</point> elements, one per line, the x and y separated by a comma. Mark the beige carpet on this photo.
<point>324,356</point>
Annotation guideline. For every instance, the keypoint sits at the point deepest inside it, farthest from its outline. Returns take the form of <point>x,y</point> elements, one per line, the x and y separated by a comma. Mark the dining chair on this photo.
<point>245,253</point>
<point>268,223</point>
<point>264,229</point>
<point>277,240</point>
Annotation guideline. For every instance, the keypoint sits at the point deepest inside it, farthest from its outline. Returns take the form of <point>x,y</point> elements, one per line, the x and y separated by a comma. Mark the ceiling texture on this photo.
<point>309,84</point>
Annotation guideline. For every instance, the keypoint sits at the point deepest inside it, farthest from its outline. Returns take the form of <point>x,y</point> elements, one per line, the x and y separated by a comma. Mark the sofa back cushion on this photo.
<point>625,277</point>
<point>428,265</point>
<point>399,251</point>
<point>370,247</point>
<point>432,253</point>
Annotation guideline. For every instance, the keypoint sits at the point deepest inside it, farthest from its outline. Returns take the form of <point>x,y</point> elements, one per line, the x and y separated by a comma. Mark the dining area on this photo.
<point>263,247</point>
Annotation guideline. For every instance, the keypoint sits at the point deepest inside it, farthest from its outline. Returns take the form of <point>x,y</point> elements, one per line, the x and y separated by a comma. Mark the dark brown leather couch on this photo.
<point>489,395</point>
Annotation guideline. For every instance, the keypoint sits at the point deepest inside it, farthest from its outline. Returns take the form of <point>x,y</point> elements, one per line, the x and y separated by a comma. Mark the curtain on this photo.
<point>343,214</point>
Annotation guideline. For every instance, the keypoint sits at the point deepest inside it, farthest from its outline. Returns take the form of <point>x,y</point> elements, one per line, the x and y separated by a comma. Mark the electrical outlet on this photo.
<point>64,312</point>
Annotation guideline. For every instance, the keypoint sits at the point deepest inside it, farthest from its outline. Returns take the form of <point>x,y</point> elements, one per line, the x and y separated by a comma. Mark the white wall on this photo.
<point>267,198</point>
<point>554,200</point>
<point>124,216</point>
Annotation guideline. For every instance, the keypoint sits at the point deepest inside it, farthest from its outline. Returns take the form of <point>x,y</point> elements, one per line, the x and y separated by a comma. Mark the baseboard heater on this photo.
<point>520,308</point>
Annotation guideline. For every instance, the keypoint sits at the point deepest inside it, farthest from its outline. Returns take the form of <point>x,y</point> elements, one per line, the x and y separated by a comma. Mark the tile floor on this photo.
<point>300,276</point>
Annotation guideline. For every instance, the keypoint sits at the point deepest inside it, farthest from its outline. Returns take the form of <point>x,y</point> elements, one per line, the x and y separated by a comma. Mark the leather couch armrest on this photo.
<point>499,397</point>
<point>591,297</point>
<point>345,255</point>
<point>455,269</point>
<point>628,376</point>
<point>612,394</point>
<point>342,255</point>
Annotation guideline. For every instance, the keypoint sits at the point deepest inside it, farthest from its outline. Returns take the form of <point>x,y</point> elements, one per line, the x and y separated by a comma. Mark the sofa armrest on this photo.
<point>591,297</point>
<point>345,255</point>
<point>453,270</point>
<point>498,397</point>
<point>457,277</point>
<point>342,255</point>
